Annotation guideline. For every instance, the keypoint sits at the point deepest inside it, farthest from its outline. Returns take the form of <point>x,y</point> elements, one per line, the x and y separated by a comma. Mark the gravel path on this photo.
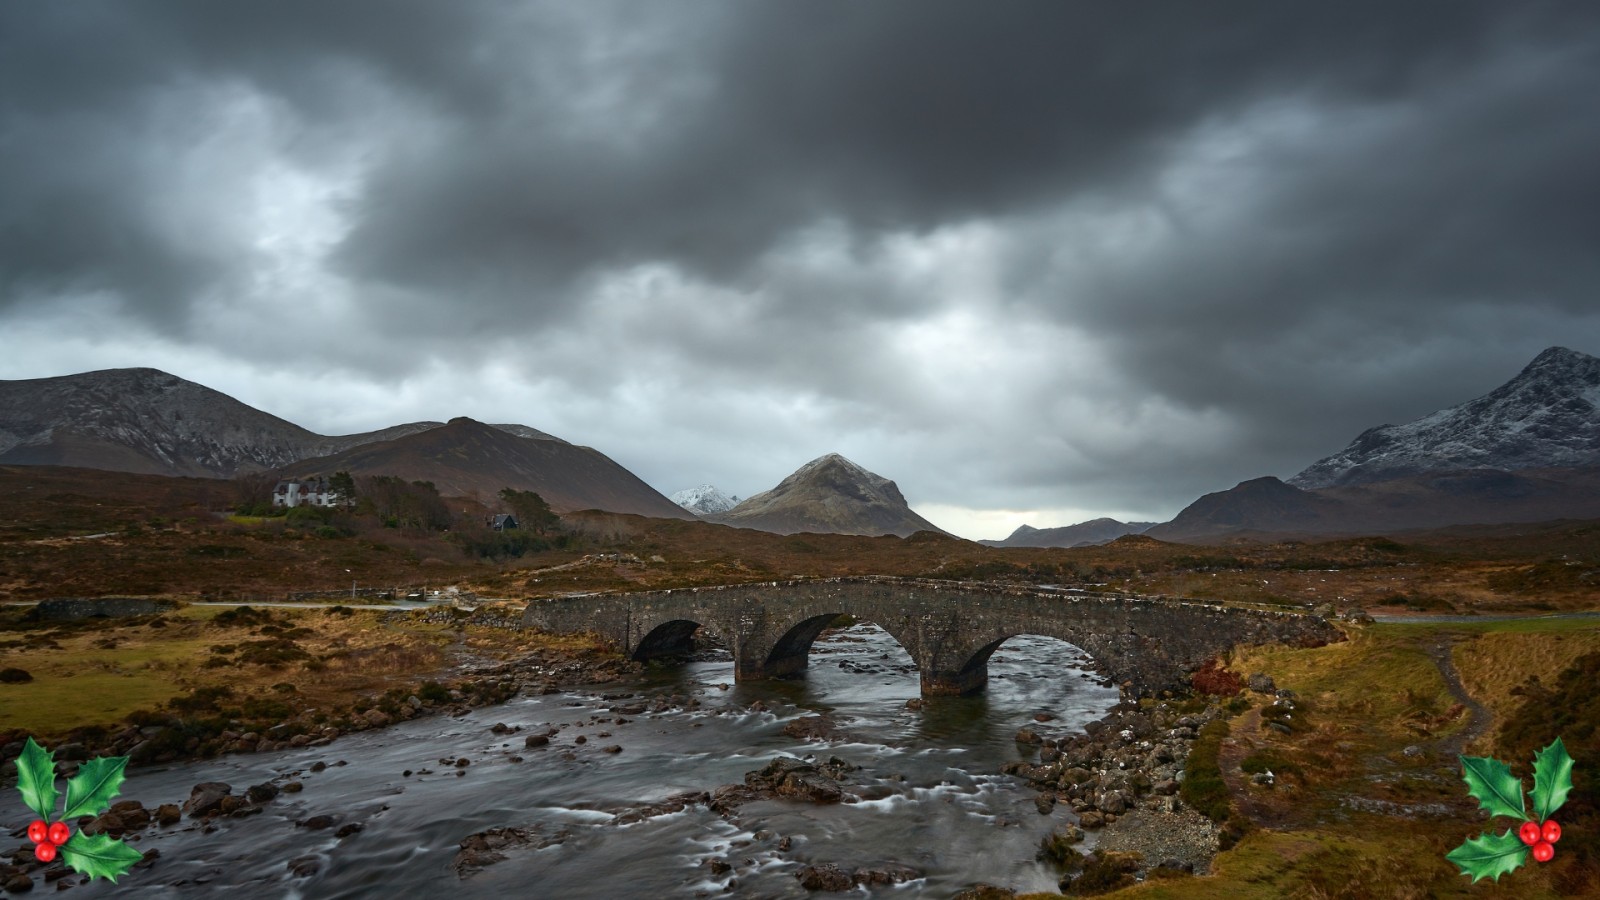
<point>1185,836</point>
<point>1450,747</point>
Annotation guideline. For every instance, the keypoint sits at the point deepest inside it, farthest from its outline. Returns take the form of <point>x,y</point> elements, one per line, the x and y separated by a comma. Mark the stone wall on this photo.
<point>72,608</point>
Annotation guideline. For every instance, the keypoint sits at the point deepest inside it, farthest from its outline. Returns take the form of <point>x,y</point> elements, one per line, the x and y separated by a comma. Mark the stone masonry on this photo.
<point>950,629</point>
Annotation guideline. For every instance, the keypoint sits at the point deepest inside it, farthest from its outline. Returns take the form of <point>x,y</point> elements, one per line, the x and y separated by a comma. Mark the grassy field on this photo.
<point>99,673</point>
<point>1361,818</point>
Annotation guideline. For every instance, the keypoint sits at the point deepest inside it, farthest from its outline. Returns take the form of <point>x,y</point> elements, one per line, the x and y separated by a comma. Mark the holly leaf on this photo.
<point>89,792</point>
<point>1497,790</point>
<point>98,856</point>
<point>1552,779</point>
<point>36,779</point>
<point>1489,855</point>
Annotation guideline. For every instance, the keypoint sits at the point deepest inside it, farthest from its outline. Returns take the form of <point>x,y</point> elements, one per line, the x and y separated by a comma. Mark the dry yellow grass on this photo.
<point>1494,664</point>
<point>98,674</point>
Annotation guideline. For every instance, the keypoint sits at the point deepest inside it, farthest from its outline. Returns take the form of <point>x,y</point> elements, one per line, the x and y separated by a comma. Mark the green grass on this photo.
<point>1203,787</point>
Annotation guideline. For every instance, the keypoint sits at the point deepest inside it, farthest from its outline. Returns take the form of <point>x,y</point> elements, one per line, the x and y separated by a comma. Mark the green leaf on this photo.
<point>98,856</point>
<point>1489,856</point>
<point>1552,779</point>
<point>36,779</point>
<point>1497,790</point>
<point>89,792</point>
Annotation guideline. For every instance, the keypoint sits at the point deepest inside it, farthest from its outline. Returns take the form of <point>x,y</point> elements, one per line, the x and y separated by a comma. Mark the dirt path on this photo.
<point>1242,740</point>
<point>1482,718</point>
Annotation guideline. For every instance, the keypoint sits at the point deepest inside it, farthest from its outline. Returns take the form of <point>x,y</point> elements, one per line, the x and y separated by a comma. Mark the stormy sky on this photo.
<point>1035,262</point>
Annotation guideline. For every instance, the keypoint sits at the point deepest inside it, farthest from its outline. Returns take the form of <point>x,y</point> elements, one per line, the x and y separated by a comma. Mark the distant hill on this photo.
<point>1083,534</point>
<point>832,495</point>
<point>464,458</point>
<point>1547,417</point>
<point>1432,500</point>
<point>147,421</point>
<point>704,500</point>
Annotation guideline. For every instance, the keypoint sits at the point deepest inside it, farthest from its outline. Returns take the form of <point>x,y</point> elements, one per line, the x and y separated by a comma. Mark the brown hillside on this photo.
<point>465,458</point>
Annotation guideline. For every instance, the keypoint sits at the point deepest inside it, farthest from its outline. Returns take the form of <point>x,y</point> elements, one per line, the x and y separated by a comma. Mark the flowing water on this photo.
<point>940,806</point>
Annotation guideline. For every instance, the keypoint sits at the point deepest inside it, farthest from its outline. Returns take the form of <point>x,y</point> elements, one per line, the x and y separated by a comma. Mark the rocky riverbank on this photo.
<point>1122,779</point>
<point>194,731</point>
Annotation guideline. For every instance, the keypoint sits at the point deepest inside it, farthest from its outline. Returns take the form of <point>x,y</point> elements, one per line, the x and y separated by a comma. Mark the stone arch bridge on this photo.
<point>949,628</point>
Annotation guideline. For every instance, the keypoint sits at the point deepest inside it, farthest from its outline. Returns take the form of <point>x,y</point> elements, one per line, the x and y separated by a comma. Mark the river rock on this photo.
<point>485,847</point>
<point>108,823</point>
<point>261,793</point>
<point>812,728</point>
<point>825,878</point>
<point>1045,803</point>
<point>885,873</point>
<point>168,814</point>
<point>206,797</point>
<point>790,778</point>
<point>536,740</point>
<point>376,718</point>
<point>132,813</point>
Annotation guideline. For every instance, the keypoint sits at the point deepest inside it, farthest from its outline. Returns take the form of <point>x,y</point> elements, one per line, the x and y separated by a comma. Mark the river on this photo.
<point>941,807</point>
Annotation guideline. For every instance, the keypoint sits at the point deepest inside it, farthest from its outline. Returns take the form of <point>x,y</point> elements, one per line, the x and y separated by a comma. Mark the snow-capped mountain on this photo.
<point>1546,417</point>
<point>831,495</point>
<point>704,500</point>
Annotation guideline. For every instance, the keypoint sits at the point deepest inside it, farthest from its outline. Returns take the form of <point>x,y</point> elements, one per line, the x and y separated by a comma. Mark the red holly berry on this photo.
<point>38,831</point>
<point>59,832</point>
<point>1529,833</point>
<point>1543,852</point>
<point>45,852</point>
<point>1551,831</point>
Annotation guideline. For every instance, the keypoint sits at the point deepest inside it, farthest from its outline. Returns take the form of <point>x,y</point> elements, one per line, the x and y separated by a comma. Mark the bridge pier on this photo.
<point>954,684</point>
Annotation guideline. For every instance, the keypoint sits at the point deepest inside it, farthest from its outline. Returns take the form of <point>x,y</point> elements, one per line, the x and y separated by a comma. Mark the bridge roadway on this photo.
<point>949,628</point>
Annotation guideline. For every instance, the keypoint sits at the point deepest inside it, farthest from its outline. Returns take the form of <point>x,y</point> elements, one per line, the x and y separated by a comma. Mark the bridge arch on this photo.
<point>674,637</point>
<point>949,629</point>
<point>791,652</point>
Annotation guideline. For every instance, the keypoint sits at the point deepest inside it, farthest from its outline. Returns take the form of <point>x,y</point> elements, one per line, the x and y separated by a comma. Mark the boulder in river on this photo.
<point>812,728</point>
<point>206,797</point>
<point>825,878</point>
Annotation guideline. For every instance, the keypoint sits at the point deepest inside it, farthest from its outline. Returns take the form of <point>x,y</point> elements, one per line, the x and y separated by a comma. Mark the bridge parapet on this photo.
<point>950,629</point>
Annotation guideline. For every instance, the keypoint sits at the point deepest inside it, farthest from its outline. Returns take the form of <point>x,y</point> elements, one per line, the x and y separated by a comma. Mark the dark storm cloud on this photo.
<point>886,116</point>
<point>1210,241</point>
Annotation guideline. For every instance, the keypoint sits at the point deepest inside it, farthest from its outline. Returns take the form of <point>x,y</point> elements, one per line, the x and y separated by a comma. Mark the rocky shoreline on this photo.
<point>179,737</point>
<point>1122,778</point>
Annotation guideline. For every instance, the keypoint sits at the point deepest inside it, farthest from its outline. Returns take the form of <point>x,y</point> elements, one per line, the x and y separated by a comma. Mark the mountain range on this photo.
<point>1527,451</point>
<point>1083,534</point>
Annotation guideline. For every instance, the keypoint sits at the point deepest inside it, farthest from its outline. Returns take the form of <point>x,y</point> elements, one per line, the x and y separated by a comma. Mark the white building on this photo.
<point>304,493</point>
